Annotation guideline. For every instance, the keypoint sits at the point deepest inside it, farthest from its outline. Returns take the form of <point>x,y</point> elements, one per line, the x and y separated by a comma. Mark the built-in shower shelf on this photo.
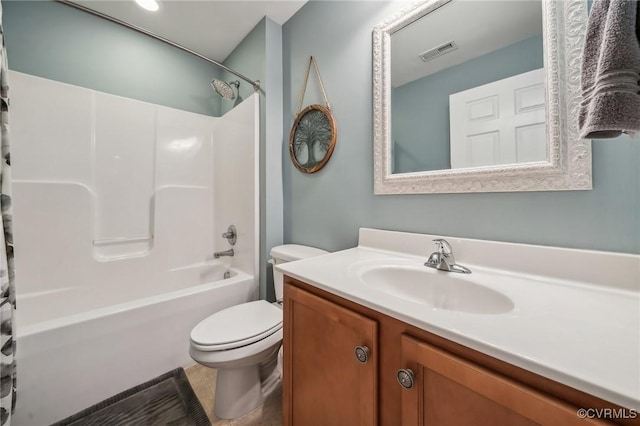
<point>121,240</point>
<point>122,247</point>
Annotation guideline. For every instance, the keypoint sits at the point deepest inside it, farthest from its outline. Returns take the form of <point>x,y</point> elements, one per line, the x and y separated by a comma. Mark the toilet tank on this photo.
<point>289,253</point>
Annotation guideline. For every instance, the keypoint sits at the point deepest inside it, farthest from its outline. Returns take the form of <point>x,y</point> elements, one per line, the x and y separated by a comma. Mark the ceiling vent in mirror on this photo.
<point>438,51</point>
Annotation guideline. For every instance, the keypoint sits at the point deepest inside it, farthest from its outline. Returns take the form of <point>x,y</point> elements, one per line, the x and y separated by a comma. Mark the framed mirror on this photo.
<point>479,96</point>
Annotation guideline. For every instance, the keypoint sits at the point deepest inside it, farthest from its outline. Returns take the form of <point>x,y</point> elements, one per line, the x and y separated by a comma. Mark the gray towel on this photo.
<point>611,71</point>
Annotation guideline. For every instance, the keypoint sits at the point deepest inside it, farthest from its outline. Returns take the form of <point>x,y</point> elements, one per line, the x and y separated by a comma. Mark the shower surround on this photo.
<point>118,208</point>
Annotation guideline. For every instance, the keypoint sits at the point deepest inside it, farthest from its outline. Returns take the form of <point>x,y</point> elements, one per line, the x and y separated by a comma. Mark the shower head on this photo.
<point>224,89</point>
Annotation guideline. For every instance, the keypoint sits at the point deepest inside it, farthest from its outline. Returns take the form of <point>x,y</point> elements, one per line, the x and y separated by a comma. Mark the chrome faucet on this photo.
<point>219,254</point>
<point>443,259</point>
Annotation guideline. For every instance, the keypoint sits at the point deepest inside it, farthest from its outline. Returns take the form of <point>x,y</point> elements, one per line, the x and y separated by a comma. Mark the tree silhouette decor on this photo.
<point>312,138</point>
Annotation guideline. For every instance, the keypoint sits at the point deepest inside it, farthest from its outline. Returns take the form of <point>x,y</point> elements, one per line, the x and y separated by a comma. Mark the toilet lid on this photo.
<point>238,325</point>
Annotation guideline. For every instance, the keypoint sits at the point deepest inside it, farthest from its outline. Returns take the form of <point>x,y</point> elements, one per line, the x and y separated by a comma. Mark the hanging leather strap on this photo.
<point>304,87</point>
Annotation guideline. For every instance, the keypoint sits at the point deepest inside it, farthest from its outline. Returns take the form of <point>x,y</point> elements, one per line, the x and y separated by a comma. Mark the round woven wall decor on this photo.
<point>314,132</point>
<point>313,137</point>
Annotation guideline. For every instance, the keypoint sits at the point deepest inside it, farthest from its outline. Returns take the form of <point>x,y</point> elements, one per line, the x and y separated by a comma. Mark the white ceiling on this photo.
<point>478,27</point>
<point>212,28</point>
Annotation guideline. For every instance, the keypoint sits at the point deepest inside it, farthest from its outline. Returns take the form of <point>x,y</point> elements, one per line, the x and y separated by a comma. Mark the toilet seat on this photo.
<point>237,326</point>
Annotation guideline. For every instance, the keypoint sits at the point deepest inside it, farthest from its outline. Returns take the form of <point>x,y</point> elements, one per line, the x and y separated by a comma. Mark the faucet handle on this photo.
<point>231,235</point>
<point>443,246</point>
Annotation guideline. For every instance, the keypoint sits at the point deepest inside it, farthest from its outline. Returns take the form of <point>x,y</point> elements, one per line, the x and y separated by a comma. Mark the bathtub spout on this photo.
<point>223,253</point>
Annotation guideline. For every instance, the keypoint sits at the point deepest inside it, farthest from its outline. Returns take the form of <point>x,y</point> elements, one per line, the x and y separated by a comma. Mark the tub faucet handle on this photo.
<point>231,235</point>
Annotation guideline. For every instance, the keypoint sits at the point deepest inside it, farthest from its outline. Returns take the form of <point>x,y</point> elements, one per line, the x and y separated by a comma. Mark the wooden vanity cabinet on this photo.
<point>325,384</point>
<point>330,363</point>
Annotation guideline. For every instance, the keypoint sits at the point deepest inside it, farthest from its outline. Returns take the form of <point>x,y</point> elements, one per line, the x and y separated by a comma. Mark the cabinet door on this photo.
<point>324,383</point>
<point>448,390</point>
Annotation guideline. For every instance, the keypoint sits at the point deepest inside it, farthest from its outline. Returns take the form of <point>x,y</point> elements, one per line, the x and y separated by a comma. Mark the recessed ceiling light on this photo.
<point>151,5</point>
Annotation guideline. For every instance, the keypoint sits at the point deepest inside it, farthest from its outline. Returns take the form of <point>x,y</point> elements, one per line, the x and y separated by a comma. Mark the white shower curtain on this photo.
<point>7,289</point>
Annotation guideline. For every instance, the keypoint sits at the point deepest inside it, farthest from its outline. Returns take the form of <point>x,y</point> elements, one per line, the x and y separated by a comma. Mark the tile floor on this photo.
<point>203,382</point>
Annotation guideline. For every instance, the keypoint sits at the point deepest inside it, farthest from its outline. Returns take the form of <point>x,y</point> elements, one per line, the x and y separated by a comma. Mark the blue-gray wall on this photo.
<point>248,58</point>
<point>326,209</point>
<point>57,42</point>
<point>259,56</point>
<point>420,109</point>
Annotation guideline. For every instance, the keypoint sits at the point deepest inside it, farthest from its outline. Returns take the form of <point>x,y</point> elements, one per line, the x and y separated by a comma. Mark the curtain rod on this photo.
<point>255,84</point>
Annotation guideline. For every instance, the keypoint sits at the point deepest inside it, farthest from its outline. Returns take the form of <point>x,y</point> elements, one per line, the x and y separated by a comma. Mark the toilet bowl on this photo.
<point>242,342</point>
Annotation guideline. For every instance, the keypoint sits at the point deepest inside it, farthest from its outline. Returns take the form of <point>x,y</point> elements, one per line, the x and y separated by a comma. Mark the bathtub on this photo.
<point>79,345</point>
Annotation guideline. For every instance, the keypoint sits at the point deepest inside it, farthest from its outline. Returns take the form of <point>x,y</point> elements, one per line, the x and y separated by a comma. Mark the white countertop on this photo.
<point>584,335</point>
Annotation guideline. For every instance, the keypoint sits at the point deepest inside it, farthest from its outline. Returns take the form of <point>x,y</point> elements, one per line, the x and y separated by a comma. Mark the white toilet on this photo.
<point>242,342</point>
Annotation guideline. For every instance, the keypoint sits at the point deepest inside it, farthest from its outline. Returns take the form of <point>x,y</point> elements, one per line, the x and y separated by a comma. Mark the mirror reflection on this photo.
<point>468,87</point>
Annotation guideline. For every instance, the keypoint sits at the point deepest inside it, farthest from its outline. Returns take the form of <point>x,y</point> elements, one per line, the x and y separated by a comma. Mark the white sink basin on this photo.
<point>437,289</point>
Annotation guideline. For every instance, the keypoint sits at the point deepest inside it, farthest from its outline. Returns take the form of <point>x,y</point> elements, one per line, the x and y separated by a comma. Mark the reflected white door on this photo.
<point>499,123</point>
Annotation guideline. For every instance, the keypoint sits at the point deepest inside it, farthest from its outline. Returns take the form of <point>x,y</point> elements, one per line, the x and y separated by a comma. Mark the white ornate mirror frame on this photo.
<point>569,164</point>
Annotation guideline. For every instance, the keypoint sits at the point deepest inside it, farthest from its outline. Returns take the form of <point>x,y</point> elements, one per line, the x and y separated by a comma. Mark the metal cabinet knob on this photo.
<point>405,378</point>
<point>362,353</point>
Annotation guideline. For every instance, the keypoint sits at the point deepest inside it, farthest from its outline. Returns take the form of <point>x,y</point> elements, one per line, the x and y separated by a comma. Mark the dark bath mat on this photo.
<point>165,400</point>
